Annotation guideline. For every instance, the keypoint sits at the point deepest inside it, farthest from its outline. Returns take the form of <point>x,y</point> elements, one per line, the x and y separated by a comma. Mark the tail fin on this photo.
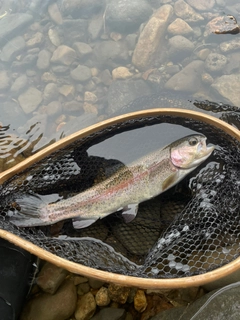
<point>32,210</point>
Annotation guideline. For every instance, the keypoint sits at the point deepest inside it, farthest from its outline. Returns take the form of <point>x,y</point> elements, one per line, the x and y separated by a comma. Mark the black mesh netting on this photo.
<point>191,229</point>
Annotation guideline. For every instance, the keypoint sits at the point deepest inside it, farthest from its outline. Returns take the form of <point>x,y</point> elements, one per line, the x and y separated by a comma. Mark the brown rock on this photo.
<point>90,108</point>
<point>63,55</point>
<point>102,297</point>
<point>140,301</point>
<point>37,39</point>
<point>151,38</point>
<point>186,12</point>
<point>59,306</point>
<point>67,91</point>
<point>155,304</point>
<point>118,293</point>
<point>121,73</point>
<point>179,27</point>
<point>222,25</point>
<point>54,13</point>
<point>86,307</point>
<point>51,277</point>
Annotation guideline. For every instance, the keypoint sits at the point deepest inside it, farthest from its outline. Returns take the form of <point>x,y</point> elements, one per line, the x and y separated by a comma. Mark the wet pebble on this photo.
<point>152,38</point>
<point>86,307</point>
<point>228,87</point>
<point>13,24</point>
<point>118,293</point>
<point>81,73</point>
<point>186,12</point>
<point>179,47</point>
<point>51,277</point>
<point>215,62</point>
<point>140,301</point>
<point>121,73</point>
<point>188,79</point>
<point>19,85</point>
<point>126,16</point>
<point>54,13</point>
<point>221,25</point>
<point>122,92</point>
<point>50,92</point>
<point>180,27</point>
<point>110,53</point>
<point>102,297</point>
<point>52,307</point>
<point>67,91</point>
<point>30,99</point>
<point>83,288</point>
<point>43,61</point>
<point>95,27</point>
<point>63,55</point>
<point>12,49</point>
<point>83,50</point>
<point>35,40</point>
<point>81,9</point>
<point>54,37</point>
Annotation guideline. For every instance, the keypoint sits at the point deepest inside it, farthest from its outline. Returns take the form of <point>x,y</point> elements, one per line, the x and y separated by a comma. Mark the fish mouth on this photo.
<point>205,151</point>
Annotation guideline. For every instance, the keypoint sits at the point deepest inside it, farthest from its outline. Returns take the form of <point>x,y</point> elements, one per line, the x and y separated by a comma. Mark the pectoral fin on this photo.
<point>169,182</point>
<point>129,212</point>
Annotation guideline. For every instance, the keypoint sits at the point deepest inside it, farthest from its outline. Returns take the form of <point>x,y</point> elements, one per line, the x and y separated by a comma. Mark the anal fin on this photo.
<point>129,212</point>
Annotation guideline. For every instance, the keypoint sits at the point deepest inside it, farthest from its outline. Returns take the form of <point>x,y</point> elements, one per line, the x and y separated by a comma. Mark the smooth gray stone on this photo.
<point>11,25</point>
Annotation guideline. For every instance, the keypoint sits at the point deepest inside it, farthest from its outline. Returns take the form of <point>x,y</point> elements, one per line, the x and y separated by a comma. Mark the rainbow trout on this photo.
<point>144,179</point>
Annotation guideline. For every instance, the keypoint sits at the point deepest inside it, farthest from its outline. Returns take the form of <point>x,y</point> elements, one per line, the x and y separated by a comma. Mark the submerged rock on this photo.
<point>30,99</point>
<point>188,79</point>
<point>12,49</point>
<point>179,47</point>
<point>86,307</point>
<point>152,38</point>
<point>13,24</point>
<point>222,25</point>
<point>126,16</point>
<point>180,27</point>
<point>186,12</point>
<point>228,87</point>
<point>59,306</point>
<point>122,92</point>
<point>215,62</point>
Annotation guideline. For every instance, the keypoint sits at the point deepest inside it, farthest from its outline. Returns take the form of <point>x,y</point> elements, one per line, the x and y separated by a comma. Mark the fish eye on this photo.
<point>193,141</point>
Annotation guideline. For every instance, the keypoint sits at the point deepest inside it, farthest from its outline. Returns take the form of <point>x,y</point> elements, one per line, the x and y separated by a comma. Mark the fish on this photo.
<point>130,185</point>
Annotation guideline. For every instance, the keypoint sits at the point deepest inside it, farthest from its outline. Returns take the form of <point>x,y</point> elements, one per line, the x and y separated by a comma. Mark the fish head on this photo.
<point>190,151</point>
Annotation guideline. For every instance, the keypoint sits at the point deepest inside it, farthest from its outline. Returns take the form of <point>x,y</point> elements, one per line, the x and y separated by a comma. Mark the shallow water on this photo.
<point>59,63</point>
